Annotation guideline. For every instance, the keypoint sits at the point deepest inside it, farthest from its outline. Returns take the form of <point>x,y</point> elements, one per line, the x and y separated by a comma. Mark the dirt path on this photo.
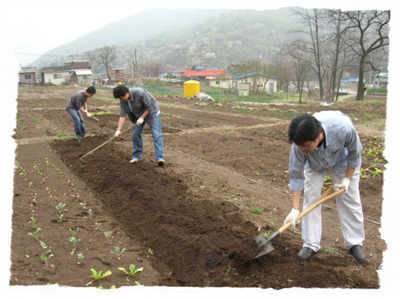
<point>189,223</point>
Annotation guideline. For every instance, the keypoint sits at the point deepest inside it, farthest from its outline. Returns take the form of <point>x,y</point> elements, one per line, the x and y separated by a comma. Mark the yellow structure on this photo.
<point>191,88</point>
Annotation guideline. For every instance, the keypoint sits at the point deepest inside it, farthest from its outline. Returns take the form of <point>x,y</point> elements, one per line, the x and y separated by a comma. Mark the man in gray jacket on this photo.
<point>141,108</point>
<point>77,104</point>
<point>326,143</point>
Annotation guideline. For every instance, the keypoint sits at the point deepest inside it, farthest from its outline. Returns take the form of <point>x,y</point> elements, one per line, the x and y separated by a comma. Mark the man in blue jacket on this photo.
<point>326,143</point>
<point>141,108</point>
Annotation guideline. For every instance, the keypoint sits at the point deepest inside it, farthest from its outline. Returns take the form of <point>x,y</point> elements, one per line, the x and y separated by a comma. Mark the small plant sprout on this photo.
<point>80,257</point>
<point>74,231</point>
<point>108,234</point>
<point>256,210</point>
<point>74,242</point>
<point>118,252</point>
<point>90,212</point>
<point>46,248</point>
<point>84,204</point>
<point>99,275</point>
<point>46,258</point>
<point>132,270</point>
<point>60,207</point>
<point>33,221</point>
<point>35,233</point>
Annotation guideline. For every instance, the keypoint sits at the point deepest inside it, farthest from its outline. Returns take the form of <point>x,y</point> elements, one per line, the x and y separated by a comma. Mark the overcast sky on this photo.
<point>35,27</point>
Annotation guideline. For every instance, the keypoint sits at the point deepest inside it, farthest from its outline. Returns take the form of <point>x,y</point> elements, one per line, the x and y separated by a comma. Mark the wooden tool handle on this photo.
<point>101,145</point>
<point>324,198</point>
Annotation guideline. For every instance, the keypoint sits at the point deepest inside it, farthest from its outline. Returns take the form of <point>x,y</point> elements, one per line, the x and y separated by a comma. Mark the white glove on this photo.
<point>117,134</point>
<point>140,121</point>
<point>88,114</point>
<point>292,217</point>
<point>343,184</point>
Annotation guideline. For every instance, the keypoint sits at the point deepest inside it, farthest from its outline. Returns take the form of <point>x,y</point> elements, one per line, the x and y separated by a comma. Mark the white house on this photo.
<point>75,72</point>
<point>249,83</point>
<point>259,83</point>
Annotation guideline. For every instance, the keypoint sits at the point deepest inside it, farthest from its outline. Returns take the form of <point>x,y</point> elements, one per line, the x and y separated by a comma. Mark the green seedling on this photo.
<point>74,242</point>
<point>118,252</point>
<point>132,270</point>
<point>60,207</point>
<point>80,257</point>
<point>46,248</point>
<point>46,259</point>
<point>60,217</point>
<point>267,235</point>
<point>35,233</point>
<point>74,232</point>
<point>330,250</point>
<point>84,204</point>
<point>229,270</point>
<point>99,275</point>
<point>256,210</point>
<point>33,221</point>
<point>108,234</point>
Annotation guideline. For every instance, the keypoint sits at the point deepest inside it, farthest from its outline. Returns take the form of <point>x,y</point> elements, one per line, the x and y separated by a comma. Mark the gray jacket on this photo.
<point>140,101</point>
<point>342,148</point>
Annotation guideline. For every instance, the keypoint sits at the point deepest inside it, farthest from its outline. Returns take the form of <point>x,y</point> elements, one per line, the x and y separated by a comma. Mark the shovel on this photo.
<point>101,145</point>
<point>265,246</point>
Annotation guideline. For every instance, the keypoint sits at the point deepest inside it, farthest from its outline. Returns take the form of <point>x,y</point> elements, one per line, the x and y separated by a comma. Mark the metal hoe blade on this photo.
<point>264,245</point>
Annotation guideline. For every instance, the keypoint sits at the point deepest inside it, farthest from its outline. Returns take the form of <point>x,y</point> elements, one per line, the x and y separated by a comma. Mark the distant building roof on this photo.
<point>204,73</point>
<point>82,72</point>
<point>256,74</point>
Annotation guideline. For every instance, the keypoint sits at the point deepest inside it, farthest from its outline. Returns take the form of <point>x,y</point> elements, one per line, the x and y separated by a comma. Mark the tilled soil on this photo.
<point>190,223</point>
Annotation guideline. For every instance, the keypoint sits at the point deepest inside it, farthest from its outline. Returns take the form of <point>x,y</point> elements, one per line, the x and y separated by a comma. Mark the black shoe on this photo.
<point>305,254</point>
<point>358,254</point>
<point>161,162</point>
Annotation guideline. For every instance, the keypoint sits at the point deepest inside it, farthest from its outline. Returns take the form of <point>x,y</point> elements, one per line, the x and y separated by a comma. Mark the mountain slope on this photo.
<point>182,38</point>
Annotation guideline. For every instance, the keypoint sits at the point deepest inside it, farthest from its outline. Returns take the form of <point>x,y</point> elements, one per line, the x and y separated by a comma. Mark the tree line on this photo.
<point>330,43</point>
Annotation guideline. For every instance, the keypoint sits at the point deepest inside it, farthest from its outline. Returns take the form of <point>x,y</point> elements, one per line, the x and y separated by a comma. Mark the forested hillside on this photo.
<point>181,38</point>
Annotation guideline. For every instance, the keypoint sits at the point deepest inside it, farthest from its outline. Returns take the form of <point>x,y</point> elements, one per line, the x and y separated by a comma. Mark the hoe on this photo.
<point>264,244</point>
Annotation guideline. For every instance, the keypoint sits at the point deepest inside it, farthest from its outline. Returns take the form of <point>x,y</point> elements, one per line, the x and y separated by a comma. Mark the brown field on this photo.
<point>190,223</point>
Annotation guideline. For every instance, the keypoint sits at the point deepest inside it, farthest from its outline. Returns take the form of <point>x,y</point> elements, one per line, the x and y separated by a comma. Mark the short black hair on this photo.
<point>303,128</point>
<point>91,90</point>
<point>120,91</point>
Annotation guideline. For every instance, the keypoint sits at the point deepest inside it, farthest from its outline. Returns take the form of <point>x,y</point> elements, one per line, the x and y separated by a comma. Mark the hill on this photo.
<point>181,38</point>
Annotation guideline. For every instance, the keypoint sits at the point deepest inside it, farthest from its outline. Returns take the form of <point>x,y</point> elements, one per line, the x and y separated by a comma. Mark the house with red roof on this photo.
<point>202,75</point>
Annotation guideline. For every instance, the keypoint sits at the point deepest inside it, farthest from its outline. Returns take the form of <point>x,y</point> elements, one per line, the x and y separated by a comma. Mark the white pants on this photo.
<point>348,204</point>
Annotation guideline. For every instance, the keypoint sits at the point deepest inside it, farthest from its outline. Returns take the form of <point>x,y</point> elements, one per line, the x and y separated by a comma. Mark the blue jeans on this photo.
<point>156,132</point>
<point>79,124</point>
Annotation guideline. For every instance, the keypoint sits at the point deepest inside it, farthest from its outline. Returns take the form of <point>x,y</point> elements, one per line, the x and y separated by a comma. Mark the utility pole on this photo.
<point>134,66</point>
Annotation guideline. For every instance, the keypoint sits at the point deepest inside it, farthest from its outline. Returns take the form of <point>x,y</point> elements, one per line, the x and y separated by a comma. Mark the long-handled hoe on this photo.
<point>101,145</point>
<point>264,244</point>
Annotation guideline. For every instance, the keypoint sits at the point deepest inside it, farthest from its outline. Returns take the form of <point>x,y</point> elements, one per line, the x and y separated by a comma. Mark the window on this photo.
<point>57,76</point>
<point>117,71</point>
<point>84,77</point>
<point>28,77</point>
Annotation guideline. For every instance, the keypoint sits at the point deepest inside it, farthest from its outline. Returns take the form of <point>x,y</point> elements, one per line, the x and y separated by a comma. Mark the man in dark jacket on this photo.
<point>77,104</point>
<point>141,108</point>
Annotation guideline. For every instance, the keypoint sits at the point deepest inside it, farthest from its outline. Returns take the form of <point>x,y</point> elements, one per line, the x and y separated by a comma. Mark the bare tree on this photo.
<point>106,56</point>
<point>151,69</point>
<point>337,51</point>
<point>283,71</point>
<point>370,33</point>
<point>133,64</point>
<point>313,43</point>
